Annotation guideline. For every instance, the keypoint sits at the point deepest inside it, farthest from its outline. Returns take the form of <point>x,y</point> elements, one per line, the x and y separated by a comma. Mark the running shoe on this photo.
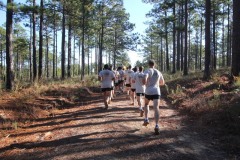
<point>146,122</point>
<point>157,130</point>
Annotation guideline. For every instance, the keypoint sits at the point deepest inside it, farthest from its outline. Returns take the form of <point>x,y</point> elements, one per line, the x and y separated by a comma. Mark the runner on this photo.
<point>133,86</point>
<point>112,88</point>
<point>116,82</point>
<point>153,78</point>
<point>127,75</point>
<point>140,89</point>
<point>120,79</point>
<point>106,77</point>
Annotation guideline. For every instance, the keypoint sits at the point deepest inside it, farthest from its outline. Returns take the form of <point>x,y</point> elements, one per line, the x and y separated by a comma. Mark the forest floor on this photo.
<point>71,123</point>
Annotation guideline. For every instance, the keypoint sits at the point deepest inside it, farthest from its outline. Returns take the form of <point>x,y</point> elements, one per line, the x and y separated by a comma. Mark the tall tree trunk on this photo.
<point>161,40</point>
<point>182,44</point>
<point>79,55</point>
<point>47,55</point>
<point>69,49</point>
<point>200,52</point>
<point>115,48</point>
<point>9,46</point>
<point>178,42</point>
<point>1,66</point>
<point>166,36</point>
<point>83,42</point>
<point>236,38</point>
<point>151,44</point>
<point>74,54</point>
<point>196,50</point>
<point>96,55</point>
<point>185,68</point>
<point>54,43</point>
<point>229,37</point>
<point>30,49</point>
<point>207,73</point>
<point>34,44</point>
<point>223,39</point>
<point>214,56</point>
<point>17,61</point>
<point>56,59</point>
<point>174,39</point>
<point>40,41</point>
<point>101,39</point>
<point>63,43</point>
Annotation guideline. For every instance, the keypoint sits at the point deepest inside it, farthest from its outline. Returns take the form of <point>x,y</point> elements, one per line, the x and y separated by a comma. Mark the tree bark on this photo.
<point>9,46</point>
<point>185,68</point>
<point>30,50</point>
<point>174,39</point>
<point>200,52</point>
<point>83,42</point>
<point>34,44</point>
<point>63,43</point>
<point>69,49</point>
<point>207,73</point>
<point>236,38</point>
<point>40,41</point>
<point>166,36</point>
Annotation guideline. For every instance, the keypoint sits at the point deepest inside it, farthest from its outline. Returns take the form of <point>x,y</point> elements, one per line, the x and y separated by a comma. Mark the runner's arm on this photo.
<point>161,81</point>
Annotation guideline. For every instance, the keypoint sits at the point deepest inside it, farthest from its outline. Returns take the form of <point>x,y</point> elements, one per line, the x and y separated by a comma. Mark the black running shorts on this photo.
<point>133,90</point>
<point>140,94</point>
<point>152,97</point>
<point>106,89</point>
<point>128,85</point>
<point>120,81</point>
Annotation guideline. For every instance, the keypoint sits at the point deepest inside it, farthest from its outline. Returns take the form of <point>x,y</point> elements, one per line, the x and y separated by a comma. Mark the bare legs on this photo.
<point>106,98</point>
<point>155,107</point>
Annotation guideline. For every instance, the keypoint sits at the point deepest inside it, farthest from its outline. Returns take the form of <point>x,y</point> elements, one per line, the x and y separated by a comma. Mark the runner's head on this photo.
<point>140,68</point>
<point>135,69</point>
<point>129,67</point>
<point>119,68</point>
<point>105,66</point>
<point>151,63</point>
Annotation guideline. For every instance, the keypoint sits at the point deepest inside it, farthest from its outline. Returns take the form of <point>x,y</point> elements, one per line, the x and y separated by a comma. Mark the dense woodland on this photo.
<point>51,39</point>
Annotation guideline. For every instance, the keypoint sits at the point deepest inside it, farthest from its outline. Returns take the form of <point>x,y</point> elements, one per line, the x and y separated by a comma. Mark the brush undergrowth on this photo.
<point>21,101</point>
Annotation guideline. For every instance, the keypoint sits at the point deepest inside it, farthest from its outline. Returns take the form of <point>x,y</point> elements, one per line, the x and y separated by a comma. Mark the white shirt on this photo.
<point>153,77</point>
<point>107,77</point>
<point>121,75</point>
<point>138,78</point>
<point>133,85</point>
<point>128,75</point>
<point>116,76</point>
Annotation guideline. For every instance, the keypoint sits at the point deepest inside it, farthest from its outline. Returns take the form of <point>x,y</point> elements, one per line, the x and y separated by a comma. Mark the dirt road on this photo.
<point>90,132</point>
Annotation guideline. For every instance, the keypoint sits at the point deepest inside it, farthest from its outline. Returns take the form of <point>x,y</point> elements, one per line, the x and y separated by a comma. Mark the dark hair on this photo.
<point>151,62</point>
<point>129,67</point>
<point>140,68</point>
<point>135,69</point>
<point>106,66</point>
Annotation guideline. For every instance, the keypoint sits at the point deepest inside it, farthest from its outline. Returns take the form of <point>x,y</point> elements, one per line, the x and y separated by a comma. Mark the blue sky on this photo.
<point>135,8</point>
<point>137,11</point>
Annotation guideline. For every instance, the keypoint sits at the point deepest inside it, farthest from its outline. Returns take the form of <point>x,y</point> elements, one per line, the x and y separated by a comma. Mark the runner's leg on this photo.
<point>139,101</point>
<point>146,108</point>
<point>132,97</point>
<point>156,110</point>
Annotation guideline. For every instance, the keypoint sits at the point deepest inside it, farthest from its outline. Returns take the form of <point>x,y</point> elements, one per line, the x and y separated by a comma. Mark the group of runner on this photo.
<point>144,85</point>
